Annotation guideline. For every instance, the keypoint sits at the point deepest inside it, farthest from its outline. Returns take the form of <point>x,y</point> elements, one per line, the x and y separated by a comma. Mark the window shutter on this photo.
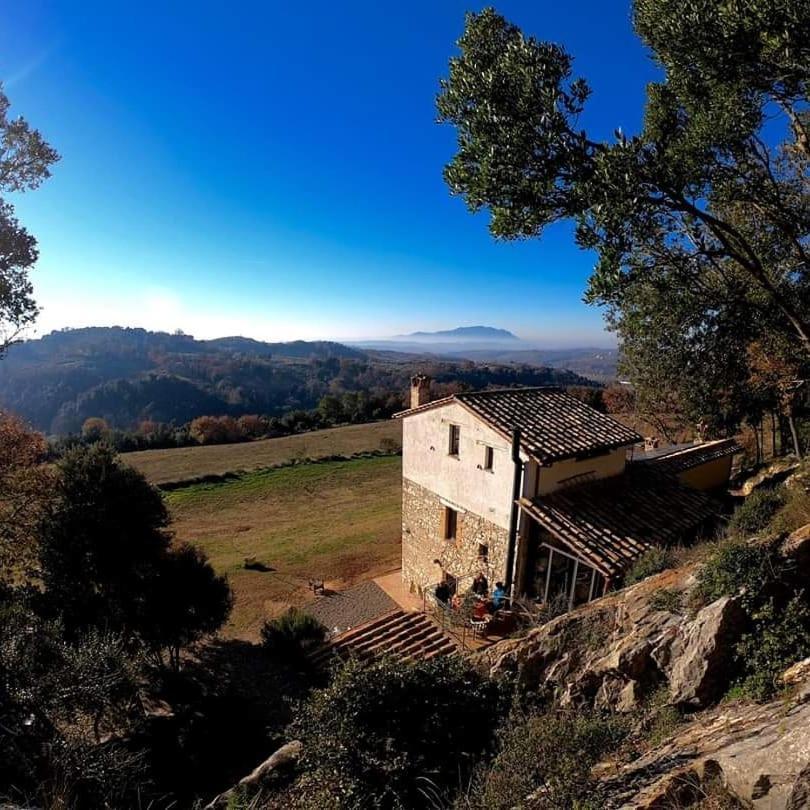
<point>459,520</point>
<point>443,522</point>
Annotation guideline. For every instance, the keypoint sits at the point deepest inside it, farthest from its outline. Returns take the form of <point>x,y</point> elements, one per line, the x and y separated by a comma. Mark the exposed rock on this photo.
<point>798,673</point>
<point>797,546</point>
<point>800,794</point>
<point>277,764</point>
<point>774,473</point>
<point>757,752</point>
<point>702,651</point>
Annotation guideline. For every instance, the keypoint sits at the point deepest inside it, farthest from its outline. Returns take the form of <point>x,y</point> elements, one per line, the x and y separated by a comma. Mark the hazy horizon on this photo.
<point>289,187</point>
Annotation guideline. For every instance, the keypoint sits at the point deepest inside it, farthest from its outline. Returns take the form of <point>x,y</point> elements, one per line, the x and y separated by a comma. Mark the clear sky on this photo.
<point>274,169</point>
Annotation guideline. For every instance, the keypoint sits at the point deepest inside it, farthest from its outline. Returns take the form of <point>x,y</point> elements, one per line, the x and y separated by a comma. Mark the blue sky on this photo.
<point>274,169</point>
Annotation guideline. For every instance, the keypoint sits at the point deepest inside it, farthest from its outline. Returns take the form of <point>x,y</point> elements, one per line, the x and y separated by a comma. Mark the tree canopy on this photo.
<point>700,223</point>
<point>25,162</point>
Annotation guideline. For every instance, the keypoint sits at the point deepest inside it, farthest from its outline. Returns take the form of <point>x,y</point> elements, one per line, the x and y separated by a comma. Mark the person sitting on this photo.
<point>480,610</point>
<point>498,596</point>
<point>455,602</point>
<point>480,586</point>
<point>442,593</point>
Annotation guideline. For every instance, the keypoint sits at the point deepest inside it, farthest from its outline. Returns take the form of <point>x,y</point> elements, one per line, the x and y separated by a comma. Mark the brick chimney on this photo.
<point>420,390</point>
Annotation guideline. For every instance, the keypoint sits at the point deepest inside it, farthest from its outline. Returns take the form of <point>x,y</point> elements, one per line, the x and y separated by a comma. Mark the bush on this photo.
<point>737,567</point>
<point>778,638</point>
<point>651,562</point>
<point>667,600</point>
<point>549,755</point>
<point>292,633</point>
<point>384,734</point>
<point>757,511</point>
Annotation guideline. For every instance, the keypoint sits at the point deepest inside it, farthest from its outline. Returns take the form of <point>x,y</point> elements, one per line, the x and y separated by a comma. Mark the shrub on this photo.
<point>777,639</point>
<point>653,561</point>
<point>384,734</point>
<point>757,511</point>
<point>737,567</point>
<point>549,755</point>
<point>668,600</point>
<point>292,633</point>
<point>795,511</point>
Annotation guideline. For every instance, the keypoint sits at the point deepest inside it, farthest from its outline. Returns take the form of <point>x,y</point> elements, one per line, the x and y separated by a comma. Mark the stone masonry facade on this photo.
<point>423,544</point>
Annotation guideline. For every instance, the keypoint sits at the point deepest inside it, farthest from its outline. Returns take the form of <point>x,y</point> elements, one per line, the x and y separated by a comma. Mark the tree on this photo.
<point>106,559</point>
<point>27,486</point>
<point>701,225</point>
<point>25,161</point>
<point>188,601</point>
<point>94,429</point>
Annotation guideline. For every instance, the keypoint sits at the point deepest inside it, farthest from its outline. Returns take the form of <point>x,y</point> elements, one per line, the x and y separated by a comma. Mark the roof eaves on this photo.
<point>434,403</point>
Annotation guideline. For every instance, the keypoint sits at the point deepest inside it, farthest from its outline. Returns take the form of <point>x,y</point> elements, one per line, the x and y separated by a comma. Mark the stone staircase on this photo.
<point>408,635</point>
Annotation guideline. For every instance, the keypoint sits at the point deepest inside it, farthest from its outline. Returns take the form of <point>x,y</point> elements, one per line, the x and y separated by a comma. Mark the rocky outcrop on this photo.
<point>611,653</point>
<point>275,767</point>
<point>774,473</point>
<point>701,653</point>
<point>614,652</point>
<point>758,753</point>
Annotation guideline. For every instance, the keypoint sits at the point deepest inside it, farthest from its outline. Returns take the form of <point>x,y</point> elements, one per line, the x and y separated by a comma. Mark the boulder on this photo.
<point>758,753</point>
<point>278,764</point>
<point>797,674</point>
<point>701,653</point>
<point>774,473</point>
<point>797,547</point>
<point>799,798</point>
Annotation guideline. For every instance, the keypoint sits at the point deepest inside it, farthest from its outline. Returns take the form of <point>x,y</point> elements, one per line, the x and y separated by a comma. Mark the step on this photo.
<point>420,635</point>
<point>374,624</point>
<point>406,623</point>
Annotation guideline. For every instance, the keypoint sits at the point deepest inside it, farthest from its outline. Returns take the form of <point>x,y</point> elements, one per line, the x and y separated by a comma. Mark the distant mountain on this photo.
<point>127,376</point>
<point>464,333</point>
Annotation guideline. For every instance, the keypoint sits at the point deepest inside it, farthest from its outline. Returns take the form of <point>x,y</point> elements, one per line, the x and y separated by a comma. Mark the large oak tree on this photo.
<point>700,222</point>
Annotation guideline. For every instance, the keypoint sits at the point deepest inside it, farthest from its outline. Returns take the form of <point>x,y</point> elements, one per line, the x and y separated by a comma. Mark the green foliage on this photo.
<point>549,755</point>
<point>292,633</point>
<point>757,511</point>
<point>701,223</point>
<point>779,637</point>
<point>106,559</point>
<point>384,734</point>
<point>738,568</point>
<point>653,561</point>
<point>668,600</point>
<point>25,161</point>
<point>57,700</point>
<point>778,631</point>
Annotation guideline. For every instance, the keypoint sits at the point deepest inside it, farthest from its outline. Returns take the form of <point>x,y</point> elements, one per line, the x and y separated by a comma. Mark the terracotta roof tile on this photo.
<point>553,424</point>
<point>684,459</point>
<point>610,522</point>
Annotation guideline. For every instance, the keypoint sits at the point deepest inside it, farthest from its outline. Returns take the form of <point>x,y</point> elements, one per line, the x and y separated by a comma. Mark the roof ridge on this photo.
<point>515,390</point>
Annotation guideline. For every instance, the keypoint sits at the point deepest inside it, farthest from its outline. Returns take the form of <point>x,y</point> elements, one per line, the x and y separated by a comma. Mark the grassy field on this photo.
<point>332,520</point>
<point>185,463</point>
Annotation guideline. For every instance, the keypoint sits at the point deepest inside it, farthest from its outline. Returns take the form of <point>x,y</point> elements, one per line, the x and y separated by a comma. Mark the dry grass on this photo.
<point>333,520</point>
<point>187,463</point>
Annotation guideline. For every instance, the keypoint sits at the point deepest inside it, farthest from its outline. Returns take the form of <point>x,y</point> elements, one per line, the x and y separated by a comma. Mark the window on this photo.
<point>483,552</point>
<point>489,457</point>
<point>450,523</point>
<point>455,434</point>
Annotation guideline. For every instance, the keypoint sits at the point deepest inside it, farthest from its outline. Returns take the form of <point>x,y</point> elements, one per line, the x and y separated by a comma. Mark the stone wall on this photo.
<point>423,544</point>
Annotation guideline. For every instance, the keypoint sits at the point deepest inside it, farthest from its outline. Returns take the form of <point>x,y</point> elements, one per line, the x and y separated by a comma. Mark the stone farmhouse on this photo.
<point>534,488</point>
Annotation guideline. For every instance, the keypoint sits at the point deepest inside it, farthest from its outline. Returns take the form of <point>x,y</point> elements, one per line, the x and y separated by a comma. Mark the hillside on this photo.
<point>129,375</point>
